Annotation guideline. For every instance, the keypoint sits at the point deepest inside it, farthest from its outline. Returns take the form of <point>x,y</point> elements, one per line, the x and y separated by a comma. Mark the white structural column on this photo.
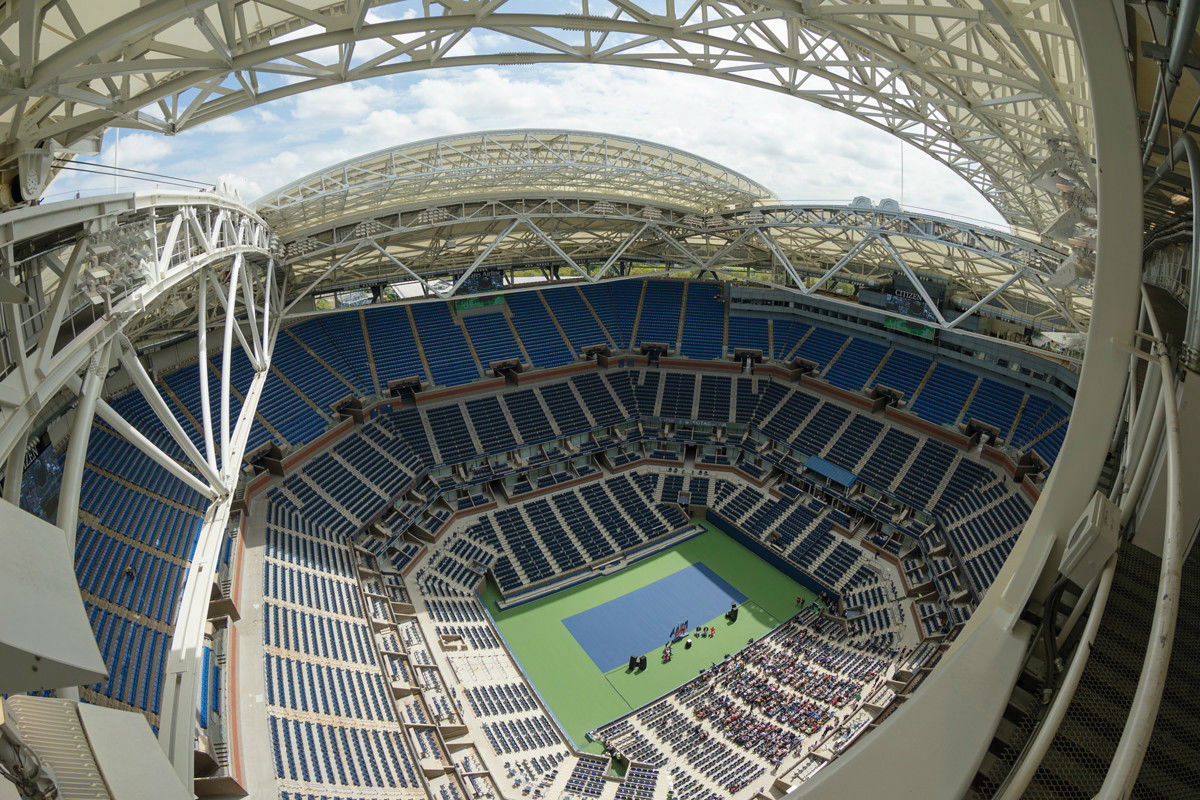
<point>961,701</point>
<point>81,431</point>
<point>178,719</point>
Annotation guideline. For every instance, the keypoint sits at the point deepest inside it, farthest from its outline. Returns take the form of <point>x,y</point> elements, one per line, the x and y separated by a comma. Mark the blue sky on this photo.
<point>800,150</point>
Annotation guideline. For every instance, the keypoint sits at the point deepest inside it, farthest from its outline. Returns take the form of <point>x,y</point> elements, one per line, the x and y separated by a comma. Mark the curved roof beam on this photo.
<point>984,86</point>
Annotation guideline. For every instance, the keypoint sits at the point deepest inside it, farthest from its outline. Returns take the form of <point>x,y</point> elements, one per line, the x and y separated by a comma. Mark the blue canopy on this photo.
<point>835,473</point>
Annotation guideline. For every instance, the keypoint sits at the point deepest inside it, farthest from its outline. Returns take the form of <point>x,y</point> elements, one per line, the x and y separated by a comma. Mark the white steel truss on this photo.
<point>801,248</point>
<point>91,286</point>
<point>988,87</point>
<point>499,163</point>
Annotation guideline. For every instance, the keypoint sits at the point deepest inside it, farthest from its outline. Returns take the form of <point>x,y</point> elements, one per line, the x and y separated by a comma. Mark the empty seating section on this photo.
<point>566,530</point>
<point>133,546</point>
<point>112,570</point>
<point>659,320</point>
<point>678,395</point>
<point>330,713</point>
<point>786,334</point>
<point>941,400</point>
<point>821,345</point>
<point>714,398</point>
<point>824,424</point>
<point>600,402</point>
<point>616,305</point>
<point>703,323</point>
<point>902,371</point>
<point>926,473</point>
<point>447,352</point>
<point>575,317</point>
<point>527,413</point>
<point>885,464</point>
<point>493,430</point>
<point>492,338</point>
<point>307,373</point>
<point>854,442</point>
<point>996,404</point>
<point>336,756</point>
<point>135,656</point>
<point>393,347</point>
<point>1041,428</point>
<point>337,339</point>
<point>450,433</point>
<point>748,333</point>
<point>537,330</point>
<point>855,364</point>
<point>567,412</point>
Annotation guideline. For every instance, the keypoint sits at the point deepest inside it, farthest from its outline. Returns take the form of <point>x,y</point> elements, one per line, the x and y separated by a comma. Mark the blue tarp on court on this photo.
<point>832,471</point>
<point>642,620</point>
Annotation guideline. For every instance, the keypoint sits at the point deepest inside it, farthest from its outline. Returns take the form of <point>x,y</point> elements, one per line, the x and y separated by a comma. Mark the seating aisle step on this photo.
<point>678,343</point>
<point>908,404</point>
<point>279,437</point>
<point>479,365</point>
<point>587,412</point>
<point>837,355</point>
<point>870,451</point>
<point>362,321</point>
<point>412,326</point>
<point>662,383</point>
<point>837,434</point>
<point>967,403</point>
<point>525,357</point>
<point>1016,419</point>
<point>908,462</point>
<point>799,343</point>
<point>353,389</point>
<point>566,339</point>
<point>511,423</point>
<point>945,481</point>
<point>1045,433</point>
<point>879,367</point>
<point>611,341</point>
<point>546,411</point>
<point>434,450</point>
<point>180,407</point>
<point>637,318</point>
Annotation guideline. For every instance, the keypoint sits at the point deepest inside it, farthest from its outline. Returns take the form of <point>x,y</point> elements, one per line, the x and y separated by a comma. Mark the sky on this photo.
<point>800,150</point>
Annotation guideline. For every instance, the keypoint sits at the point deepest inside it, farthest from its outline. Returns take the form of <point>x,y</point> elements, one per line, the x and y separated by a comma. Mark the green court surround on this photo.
<point>580,695</point>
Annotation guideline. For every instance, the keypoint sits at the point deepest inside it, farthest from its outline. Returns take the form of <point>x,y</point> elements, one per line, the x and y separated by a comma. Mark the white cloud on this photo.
<point>801,151</point>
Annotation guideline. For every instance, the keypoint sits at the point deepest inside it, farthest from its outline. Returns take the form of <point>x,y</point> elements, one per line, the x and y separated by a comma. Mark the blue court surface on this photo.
<point>642,620</point>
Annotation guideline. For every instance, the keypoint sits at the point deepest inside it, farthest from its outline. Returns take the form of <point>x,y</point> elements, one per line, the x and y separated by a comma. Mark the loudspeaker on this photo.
<point>642,662</point>
<point>633,662</point>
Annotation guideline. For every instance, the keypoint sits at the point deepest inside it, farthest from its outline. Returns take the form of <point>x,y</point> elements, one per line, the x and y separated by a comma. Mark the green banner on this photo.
<point>479,302</point>
<point>911,328</point>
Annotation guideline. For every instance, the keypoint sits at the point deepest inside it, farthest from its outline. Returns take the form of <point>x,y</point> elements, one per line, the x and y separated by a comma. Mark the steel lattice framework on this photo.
<point>585,205</point>
<point>84,286</point>
<point>988,87</point>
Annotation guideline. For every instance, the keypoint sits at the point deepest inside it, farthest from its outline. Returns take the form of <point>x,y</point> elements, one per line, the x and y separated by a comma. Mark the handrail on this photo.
<point>1139,726</point>
<point>1035,751</point>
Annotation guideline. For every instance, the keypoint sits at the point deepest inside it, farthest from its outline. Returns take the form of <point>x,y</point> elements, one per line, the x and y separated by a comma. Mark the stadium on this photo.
<point>556,463</point>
